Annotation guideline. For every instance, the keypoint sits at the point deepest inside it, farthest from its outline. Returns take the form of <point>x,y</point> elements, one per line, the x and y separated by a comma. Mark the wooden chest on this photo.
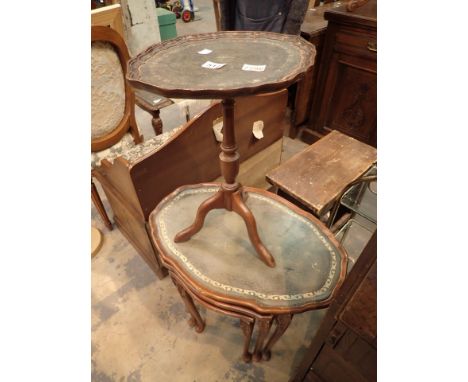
<point>346,94</point>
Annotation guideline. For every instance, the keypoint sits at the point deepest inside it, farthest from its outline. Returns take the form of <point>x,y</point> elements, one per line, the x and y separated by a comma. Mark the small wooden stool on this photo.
<point>317,176</point>
<point>220,268</point>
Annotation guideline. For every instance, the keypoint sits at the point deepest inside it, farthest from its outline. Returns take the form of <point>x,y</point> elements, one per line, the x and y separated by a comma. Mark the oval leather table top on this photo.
<point>221,261</point>
<point>173,68</point>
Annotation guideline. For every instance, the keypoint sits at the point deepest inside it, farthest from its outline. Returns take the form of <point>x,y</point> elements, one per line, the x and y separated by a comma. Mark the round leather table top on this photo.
<point>221,261</point>
<point>174,68</point>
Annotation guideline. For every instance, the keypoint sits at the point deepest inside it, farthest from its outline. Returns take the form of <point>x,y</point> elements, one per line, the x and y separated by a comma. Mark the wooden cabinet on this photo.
<point>346,94</point>
<point>345,347</point>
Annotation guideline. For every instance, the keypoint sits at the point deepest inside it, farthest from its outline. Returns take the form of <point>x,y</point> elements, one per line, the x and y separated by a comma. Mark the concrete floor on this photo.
<point>139,324</point>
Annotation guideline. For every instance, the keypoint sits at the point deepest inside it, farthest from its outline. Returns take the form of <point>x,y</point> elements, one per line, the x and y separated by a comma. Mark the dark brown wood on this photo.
<point>282,323</point>
<point>346,94</point>
<point>263,325</point>
<point>128,122</point>
<point>183,77</point>
<point>99,206</point>
<point>317,176</point>
<point>195,319</point>
<point>345,346</point>
<point>247,329</point>
<point>134,189</point>
<point>145,100</point>
<point>313,29</point>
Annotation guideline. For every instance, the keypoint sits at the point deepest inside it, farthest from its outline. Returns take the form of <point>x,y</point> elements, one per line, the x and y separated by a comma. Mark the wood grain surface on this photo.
<point>317,175</point>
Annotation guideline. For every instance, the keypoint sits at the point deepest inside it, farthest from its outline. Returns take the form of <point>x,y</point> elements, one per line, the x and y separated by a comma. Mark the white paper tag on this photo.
<point>217,127</point>
<point>212,65</point>
<point>254,68</point>
<point>205,51</point>
<point>257,129</point>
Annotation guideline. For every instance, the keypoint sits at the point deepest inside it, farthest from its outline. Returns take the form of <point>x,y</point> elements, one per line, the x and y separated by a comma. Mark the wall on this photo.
<point>140,24</point>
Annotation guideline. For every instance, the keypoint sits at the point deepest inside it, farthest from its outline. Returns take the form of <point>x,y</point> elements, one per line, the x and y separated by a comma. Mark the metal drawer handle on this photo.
<point>372,46</point>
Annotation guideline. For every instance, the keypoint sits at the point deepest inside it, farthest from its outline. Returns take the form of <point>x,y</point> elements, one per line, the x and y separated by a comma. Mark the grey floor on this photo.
<point>139,328</point>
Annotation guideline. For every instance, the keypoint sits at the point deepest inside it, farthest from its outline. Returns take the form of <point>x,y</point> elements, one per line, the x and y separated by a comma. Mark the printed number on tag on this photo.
<point>254,68</point>
<point>212,65</point>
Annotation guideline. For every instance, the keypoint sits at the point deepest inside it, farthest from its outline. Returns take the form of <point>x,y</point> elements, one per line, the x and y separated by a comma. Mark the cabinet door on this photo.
<point>349,102</point>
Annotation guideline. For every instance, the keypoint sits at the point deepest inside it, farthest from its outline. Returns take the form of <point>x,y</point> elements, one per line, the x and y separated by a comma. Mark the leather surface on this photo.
<point>222,259</point>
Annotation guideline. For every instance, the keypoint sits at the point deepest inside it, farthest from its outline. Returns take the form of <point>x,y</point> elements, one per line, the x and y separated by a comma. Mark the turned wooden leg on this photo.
<point>238,206</point>
<point>215,201</point>
<point>247,329</point>
<point>264,325</point>
<point>195,318</point>
<point>282,323</point>
<point>157,123</point>
<point>99,206</point>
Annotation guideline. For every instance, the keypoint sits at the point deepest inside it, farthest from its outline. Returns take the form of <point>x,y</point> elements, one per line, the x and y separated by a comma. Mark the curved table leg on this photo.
<point>213,202</point>
<point>282,323</point>
<point>264,325</point>
<point>239,206</point>
<point>195,318</point>
<point>247,329</point>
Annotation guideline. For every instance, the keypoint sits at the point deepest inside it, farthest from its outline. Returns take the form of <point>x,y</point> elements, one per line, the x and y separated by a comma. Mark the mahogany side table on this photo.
<point>177,69</point>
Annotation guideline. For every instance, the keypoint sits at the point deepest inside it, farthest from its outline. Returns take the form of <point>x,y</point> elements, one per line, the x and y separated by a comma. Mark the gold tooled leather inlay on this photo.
<point>229,288</point>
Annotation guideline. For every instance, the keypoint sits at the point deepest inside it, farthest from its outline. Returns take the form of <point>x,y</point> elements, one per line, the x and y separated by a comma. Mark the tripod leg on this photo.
<point>213,202</point>
<point>240,208</point>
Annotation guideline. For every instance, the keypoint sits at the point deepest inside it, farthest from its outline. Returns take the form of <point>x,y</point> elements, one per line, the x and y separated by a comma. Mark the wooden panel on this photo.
<point>110,16</point>
<point>133,229</point>
<point>316,176</point>
<point>361,311</point>
<point>313,30</point>
<point>353,99</point>
<point>348,39</point>
<point>358,354</point>
<point>332,337</point>
<point>118,175</point>
<point>193,156</point>
<point>330,367</point>
<point>346,89</point>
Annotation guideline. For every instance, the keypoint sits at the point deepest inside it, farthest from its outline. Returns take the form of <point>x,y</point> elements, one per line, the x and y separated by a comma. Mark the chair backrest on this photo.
<point>112,98</point>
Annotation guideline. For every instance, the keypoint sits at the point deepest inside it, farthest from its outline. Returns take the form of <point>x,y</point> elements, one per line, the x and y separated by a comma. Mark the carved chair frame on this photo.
<point>128,122</point>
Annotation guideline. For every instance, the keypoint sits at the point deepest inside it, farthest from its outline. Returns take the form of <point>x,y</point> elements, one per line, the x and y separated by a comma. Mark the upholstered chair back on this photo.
<point>112,99</point>
<point>107,89</point>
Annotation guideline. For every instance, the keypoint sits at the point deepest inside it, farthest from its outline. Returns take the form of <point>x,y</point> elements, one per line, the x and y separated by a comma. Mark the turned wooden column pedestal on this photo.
<point>230,195</point>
